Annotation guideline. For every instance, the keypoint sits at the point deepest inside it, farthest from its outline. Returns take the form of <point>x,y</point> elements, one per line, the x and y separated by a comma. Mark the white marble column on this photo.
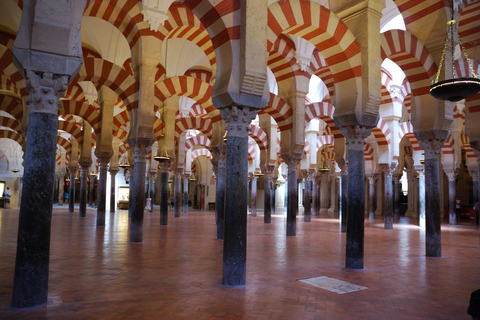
<point>371,195</point>
<point>452,214</point>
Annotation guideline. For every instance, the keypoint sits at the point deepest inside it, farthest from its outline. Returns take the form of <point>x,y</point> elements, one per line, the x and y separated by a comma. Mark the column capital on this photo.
<point>113,172</point>
<point>292,164</point>
<point>387,169</point>
<point>372,178</point>
<point>474,175</point>
<point>140,152</point>
<point>431,147</point>
<point>103,161</point>
<point>45,91</point>
<point>178,171</point>
<point>237,120</point>
<point>396,178</point>
<point>344,168</point>
<point>451,174</point>
<point>165,166</point>
<point>355,136</point>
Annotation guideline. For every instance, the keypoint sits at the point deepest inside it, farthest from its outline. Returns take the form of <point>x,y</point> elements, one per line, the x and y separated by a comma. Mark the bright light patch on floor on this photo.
<point>333,285</point>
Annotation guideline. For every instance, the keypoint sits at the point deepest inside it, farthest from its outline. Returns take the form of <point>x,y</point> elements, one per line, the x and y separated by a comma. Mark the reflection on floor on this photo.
<point>95,273</point>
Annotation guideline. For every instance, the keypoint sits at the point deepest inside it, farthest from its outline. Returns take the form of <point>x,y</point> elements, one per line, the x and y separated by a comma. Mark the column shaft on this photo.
<point>177,192</point>
<point>308,199</point>
<point>432,207</point>
<point>137,196</point>
<point>267,211</point>
<point>113,203</point>
<point>71,196</point>
<point>292,195</point>
<point>344,187</point>
<point>220,197</point>
<point>83,191</point>
<point>254,196</point>
<point>164,193</point>
<point>102,191</point>
<point>185,194</point>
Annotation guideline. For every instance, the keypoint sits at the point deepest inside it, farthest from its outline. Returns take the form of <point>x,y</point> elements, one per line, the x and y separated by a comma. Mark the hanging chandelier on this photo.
<point>454,89</point>
<point>323,162</point>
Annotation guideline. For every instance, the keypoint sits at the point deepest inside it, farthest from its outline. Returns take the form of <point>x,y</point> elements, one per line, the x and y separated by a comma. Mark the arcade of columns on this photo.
<point>225,87</point>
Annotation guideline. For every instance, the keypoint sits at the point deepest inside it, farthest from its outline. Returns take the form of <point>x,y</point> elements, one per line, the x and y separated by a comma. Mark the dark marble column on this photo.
<point>177,189</point>
<point>185,193</point>
<point>61,188</point>
<point>113,202</point>
<point>355,142</point>
<point>220,194</point>
<point>292,196</point>
<point>73,181</point>
<point>151,189</point>
<point>83,189</point>
<point>30,283</point>
<point>433,238</point>
<point>396,195</point>
<point>164,175</point>
<point>411,192</point>
<point>237,121</point>
<point>344,188</point>
<point>273,185</point>
<point>91,191</point>
<point>308,197</point>
<point>314,194</point>
<point>137,197</point>
<point>474,175</point>
<point>371,196</point>
<point>254,196</point>
<point>452,215</point>
<point>267,215</point>
<point>102,191</point>
<point>387,170</point>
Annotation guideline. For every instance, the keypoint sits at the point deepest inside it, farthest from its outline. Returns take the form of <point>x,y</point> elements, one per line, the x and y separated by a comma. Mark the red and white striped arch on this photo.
<point>327,140</point>
<point>279,110</point>
<point>8,68</point>
<point>74,129</point>
<point>411,56</point>
<point>463,70</point>
<point>200,124</point>
<point>13,135</point>
<point>12,105</point>
<point>251,152</point>
<point>323,29</point>
<point>198,140</point>
<point>368,152</point>
<point>467,147</point>
<point>203,75</point>
<point>448,145</point>
<point>203,152</point>
<point>382,133</point>
<point>83,110</point>
<point>468,25</point>
<point>324,111</point>
<point>406,129</point>
<point>259,136</point>
<point>6,84</point>
<point>103,72</point>
<point>414,10</point>
<point>322,70</point>
<point>386,78</point>
<point>75,92</point>
<point>11,123</point>
<point>119,122</point>
<point>281,59</point>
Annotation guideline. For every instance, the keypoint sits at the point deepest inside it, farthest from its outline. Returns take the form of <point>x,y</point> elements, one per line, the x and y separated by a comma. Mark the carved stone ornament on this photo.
<point>387,169</point>
<point>165,166</point>
<point>238,120</point>
<point>45,91</point>
<point>431,147</point>
<point>372,178</point>
<point>140,153</point>
<point>355,136</point>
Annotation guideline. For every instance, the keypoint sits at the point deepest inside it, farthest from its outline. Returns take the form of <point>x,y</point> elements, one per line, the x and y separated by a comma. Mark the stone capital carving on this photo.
<point>387,169</point>
<point>355,136</point>
<point>474,175</point>
<point>344,171</point>
<point>292,164</point>
<point>45,91</point>
<point>238,120</point>
<point>140,152</point>
<point>432,147</point>
<point>396,178</point>
<point>372,178</point>
<point>113,172</point>
<point>103,161</point>
<point>421,172</point>
<point>451,175</point>
<point>178,173</point>
<point>165,166</point>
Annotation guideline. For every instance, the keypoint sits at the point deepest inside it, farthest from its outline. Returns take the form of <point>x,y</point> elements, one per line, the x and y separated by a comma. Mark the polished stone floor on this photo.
<point>95,273</point>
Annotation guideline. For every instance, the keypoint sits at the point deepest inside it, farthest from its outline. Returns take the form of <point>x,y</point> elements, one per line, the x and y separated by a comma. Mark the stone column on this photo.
<point>355,142</point>
<point>91,191</point>
<point>452,215</point>
<point>387,171</point>
<point>185,193</point>
<point>177,192</point>
<point>380,209</point>
<point>314,194</point>
<point>137,197</point>
<point>474,175</point>
<point>164,175</point>
<point>433,237</point>
<point>151,188</point>
<point>292,196</point>
<point>33,244</point>
<point>421,196</point>
<point>113,202</point>
<point>267,211</point>
<point>396,195</point>
<point>102,191</point>
<point>333,193</point>
<point>61,188</point>
<point>254,196</point>
<point>308,197</point>
<point>344,186</point>
<point>220,194</point>
<point>71,200</point>
<point>273,185</point>
<point>411,193</point>
<point>237,120</point>
<point>83,189</point>
<point>371,195</point>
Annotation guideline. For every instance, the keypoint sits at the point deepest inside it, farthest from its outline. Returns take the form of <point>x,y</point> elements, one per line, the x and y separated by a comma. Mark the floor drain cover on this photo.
<point>333,285</point>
